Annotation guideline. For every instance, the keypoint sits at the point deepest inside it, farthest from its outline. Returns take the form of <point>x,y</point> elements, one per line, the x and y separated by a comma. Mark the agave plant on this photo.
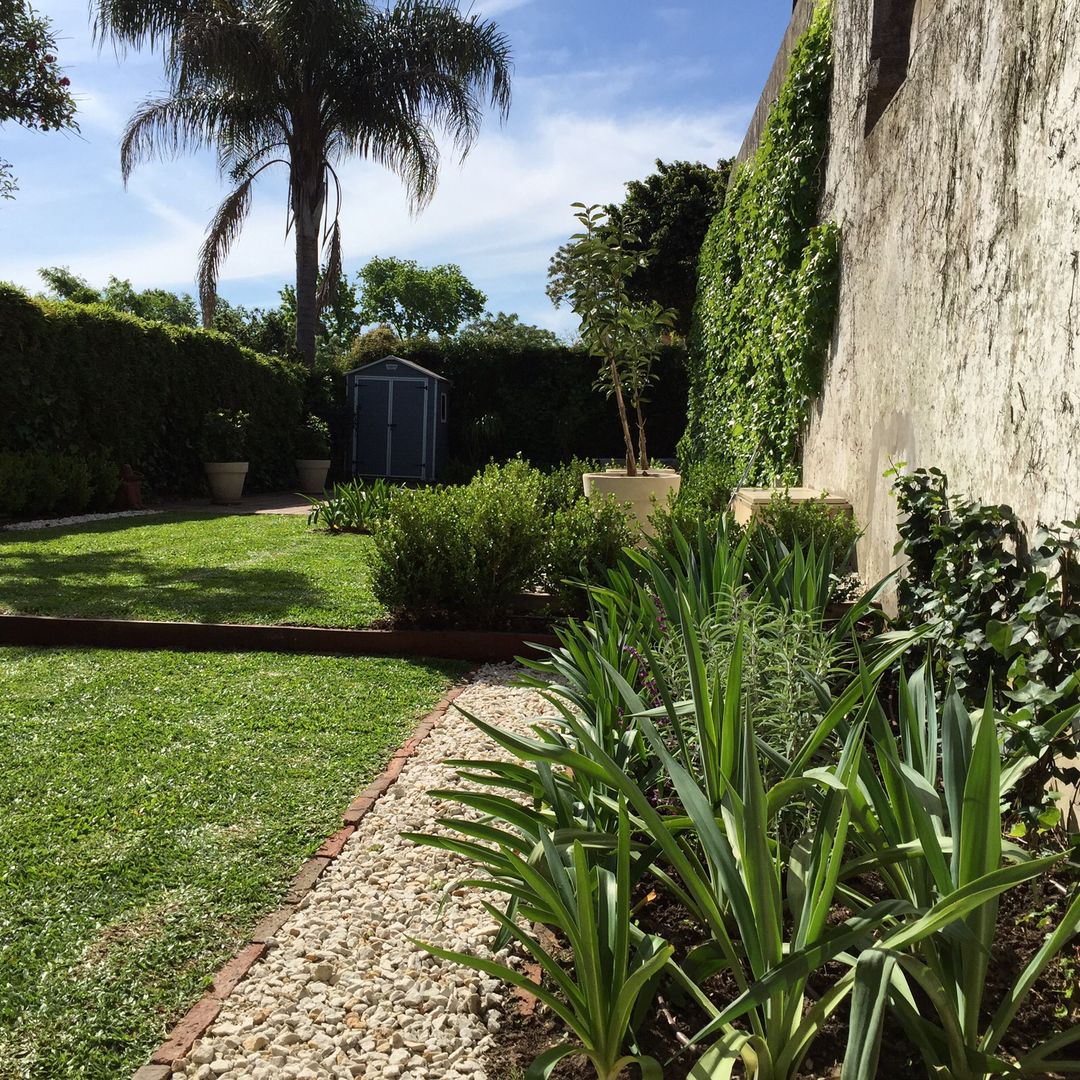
<point>352,507</point>
<point>931,812</point>
<point>615,968</point>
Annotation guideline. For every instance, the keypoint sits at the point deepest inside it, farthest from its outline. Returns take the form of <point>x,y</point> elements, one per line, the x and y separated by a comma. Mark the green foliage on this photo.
<point>509,333</point>
<point>703,499</point>
<point>190,788</point>
<point>587,538</point>
<point>38,482</point>
<point>224,436</point>
<point>768,287</point>
<point>353,507</point>
<point>33,91</point>
<point>591,906</point>
<point>684,768</point>
<point>1003,609</point>
<point>462,552</point>
<point>539,402</point>
<point>624,335</point>
<point>287,85</point>
<point>88,380</point>
<point>669,212</point>
<point>469,551</point>
<point>937,797</point>
<point>563,486</point>
<point>417,301</point>
<point>812,522</point>
<point>313,442</point>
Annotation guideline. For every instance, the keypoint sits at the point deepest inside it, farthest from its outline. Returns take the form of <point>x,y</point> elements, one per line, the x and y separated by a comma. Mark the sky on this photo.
<point>601,89</point>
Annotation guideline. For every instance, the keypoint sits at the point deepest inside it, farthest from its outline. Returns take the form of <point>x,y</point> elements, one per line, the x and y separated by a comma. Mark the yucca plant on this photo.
<point>931,813</point>
<point>352,507</point>
<point>723,863</point>
<point>615,968</point>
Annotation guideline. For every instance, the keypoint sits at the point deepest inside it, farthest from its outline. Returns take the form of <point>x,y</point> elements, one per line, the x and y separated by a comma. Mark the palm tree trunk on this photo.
<point>307,205</point>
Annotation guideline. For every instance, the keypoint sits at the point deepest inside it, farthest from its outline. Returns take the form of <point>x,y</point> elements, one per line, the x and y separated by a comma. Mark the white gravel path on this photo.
<point>78,519</point>
<point>341,993</point>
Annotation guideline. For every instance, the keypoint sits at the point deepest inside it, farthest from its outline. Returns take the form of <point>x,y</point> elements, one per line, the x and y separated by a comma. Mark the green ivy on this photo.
<point>768,287</point>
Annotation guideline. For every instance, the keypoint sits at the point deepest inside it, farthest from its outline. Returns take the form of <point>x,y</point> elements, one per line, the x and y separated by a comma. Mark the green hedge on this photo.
<point>84,379</point>
<point>540,403</point>
<point>767,288</point>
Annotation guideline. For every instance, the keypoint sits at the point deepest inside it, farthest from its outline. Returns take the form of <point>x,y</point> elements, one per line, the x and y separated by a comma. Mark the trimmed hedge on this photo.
<point>541,403</point>
<point>88,380</point>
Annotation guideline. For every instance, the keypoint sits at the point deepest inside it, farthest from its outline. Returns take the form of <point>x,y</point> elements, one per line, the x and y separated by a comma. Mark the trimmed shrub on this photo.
<point>586,540</point>
<point>445,553</point>
<point>35,482</point>
<point>811,523</point>
<point>467,553</point>
<point>91,381</point>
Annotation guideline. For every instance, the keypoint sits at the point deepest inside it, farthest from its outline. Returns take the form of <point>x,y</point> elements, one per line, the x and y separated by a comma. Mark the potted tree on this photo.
<point>224,452</point>
<point>313,455</point>
<point>625,336</point>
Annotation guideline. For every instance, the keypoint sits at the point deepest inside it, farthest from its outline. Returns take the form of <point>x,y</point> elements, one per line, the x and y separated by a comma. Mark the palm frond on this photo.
<point>222,233</point>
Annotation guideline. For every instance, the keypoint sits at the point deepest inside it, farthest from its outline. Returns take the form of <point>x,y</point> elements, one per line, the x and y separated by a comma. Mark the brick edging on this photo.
<point>202,1014</point>
<point>483,646</point>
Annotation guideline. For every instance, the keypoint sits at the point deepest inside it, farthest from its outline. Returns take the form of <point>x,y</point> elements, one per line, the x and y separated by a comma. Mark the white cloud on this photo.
<point>490,8</point>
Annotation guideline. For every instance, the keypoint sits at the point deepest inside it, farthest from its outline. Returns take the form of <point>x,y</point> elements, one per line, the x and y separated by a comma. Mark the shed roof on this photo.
<point>399,360</point>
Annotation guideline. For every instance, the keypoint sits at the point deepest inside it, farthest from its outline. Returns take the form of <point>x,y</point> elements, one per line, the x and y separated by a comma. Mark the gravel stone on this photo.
<point>78,519</point>
<point>341,991</point>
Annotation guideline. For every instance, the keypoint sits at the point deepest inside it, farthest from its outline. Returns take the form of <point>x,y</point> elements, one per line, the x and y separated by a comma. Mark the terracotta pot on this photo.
<point>226,480</point>
<point>640,494</point>
<point>312,473</point>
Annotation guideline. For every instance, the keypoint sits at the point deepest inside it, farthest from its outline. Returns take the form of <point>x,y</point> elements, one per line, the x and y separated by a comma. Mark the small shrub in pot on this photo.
<point>224,450</point>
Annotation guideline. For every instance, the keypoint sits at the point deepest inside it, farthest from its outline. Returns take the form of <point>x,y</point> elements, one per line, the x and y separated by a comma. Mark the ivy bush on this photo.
<point>1003,610</point>
<point>768,284</point>
<point>89,381</point>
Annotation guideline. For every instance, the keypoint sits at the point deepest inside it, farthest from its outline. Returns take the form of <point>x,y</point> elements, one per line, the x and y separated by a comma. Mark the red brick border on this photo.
<point>203,1013</point>
<point>477,645</point>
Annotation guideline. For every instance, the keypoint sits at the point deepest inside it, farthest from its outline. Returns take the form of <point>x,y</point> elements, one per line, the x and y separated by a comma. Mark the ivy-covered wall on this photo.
<point>767,289</point>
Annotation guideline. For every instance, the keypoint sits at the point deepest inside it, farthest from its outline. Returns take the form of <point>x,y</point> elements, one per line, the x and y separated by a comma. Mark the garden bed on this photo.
<point>1026,913</point>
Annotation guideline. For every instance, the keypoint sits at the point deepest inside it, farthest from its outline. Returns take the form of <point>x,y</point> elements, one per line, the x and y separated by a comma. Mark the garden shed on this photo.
<point>399,419</point>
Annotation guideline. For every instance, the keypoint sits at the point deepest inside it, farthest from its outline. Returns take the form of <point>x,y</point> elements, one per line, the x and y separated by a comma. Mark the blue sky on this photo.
<point>601,89</point>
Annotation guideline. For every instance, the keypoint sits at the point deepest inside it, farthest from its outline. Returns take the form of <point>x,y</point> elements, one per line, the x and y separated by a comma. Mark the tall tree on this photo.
<point>33,90</point>
<point>306,84</point>
<point>416,301</point>
<point>667,214</point>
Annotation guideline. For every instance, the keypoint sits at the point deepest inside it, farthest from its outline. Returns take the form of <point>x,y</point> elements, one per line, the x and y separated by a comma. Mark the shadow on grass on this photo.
<point>121,583</point>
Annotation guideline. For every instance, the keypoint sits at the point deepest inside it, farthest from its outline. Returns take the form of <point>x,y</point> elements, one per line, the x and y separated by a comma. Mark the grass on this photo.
<point>155,806</point>
<point>253,569</point>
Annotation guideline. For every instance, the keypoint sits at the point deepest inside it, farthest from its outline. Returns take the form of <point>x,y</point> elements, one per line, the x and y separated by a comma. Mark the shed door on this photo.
<point>408,428</point>
<point>371,446</point>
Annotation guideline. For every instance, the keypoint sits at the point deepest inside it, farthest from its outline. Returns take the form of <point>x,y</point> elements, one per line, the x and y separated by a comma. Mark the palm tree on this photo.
<point>307,84</point>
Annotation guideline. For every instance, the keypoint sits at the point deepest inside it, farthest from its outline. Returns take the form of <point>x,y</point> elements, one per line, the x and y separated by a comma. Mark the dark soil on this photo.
<point>1026,916</point>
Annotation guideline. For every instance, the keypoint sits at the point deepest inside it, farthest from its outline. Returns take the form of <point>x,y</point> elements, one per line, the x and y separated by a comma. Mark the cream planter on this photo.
<point>312,473</point>
<point>226,480</point>
<point>641,494</point>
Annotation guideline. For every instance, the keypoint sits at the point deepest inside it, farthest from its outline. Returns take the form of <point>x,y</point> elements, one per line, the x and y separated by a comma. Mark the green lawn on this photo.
<point>257,568</point>
<point>155,805</point>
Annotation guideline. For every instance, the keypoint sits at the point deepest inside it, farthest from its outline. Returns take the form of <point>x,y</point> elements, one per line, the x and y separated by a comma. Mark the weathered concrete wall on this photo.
<point>801,14</point>
<point>957,338</point>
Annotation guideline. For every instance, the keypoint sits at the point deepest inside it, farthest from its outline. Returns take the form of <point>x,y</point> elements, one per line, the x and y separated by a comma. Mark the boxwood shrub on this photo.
<point>88,381</point>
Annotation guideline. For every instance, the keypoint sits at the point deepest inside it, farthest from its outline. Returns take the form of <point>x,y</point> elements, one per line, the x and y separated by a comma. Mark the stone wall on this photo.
<point>957,338</point>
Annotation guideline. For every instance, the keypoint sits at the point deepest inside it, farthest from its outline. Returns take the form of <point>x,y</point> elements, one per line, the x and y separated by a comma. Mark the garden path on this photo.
<point>342,993</point>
